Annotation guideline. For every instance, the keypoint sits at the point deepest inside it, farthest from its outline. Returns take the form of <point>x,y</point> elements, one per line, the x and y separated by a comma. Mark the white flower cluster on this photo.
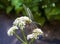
<point>35,34</point>
<point>11,30</point>
<point>19,22</point>
<point>22,21</point>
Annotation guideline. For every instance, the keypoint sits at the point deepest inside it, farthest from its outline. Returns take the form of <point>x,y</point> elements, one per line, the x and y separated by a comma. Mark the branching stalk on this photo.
<point>18,37</point>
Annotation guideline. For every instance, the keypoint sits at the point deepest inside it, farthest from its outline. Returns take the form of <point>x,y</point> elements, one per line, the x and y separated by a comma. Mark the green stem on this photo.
<point>18,37</point>
<point>25,8</point>
<point>31,40</point>
<point>23,35</point>
<point>28,12</point>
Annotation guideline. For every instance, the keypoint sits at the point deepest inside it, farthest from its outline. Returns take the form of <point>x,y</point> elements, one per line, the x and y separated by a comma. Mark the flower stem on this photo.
<point>24,35</point>
<point>18,37</point>
<point>31,40</point>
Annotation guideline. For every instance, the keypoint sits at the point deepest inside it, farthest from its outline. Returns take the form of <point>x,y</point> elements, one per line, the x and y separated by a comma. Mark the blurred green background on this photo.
<point>40,11</point>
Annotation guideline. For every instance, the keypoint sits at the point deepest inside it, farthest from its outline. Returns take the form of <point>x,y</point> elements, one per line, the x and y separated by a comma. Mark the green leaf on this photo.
<point>35,8</point>
<point>52,12</point>
<point>55,17</point>
<point>16,3</point>
<point>17,6</point>
<point>9,9</point>
<point>20,9</point>
<point>39,19</point>
<point>55,11</point>
<point>2,6</point>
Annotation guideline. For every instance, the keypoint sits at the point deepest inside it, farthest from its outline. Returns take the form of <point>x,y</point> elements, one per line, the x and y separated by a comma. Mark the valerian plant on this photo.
<point>19,24</point>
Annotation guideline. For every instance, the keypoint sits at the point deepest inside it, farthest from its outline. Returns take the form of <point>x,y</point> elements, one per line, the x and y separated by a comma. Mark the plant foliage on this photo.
<point>42,10</point>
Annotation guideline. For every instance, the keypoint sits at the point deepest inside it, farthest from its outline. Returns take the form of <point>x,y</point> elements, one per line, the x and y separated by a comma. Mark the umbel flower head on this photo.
<point>35,34</point>
<point>22,21</point>
<point>19,22</point>
<point>11,30</point>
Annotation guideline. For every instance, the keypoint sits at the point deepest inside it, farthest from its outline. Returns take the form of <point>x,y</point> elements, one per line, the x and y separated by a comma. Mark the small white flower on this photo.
<point>22,21</point>
<point>35,34</point>
<point>53,4</point>
<point>16,22</point>
<point>30,36</point>
<point>11,30</point>
<point>37,30</point>
<point>21,25</point>
<point>25,19</point>
<point>44,6</point>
